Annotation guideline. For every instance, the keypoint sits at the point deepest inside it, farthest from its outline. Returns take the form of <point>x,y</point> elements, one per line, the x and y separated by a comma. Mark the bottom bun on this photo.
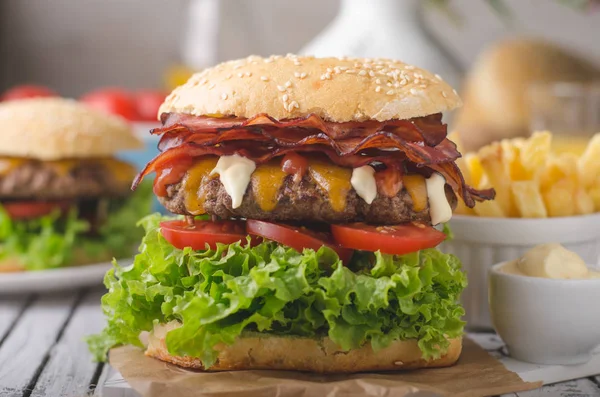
<point>265,351</point>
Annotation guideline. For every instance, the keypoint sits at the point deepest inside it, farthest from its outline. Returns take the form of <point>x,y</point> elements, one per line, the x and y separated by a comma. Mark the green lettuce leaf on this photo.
<point>53,241</point>
<point>217,295</point>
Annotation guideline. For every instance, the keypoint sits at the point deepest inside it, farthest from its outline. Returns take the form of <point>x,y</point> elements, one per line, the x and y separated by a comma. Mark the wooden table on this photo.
<point>42,352</point>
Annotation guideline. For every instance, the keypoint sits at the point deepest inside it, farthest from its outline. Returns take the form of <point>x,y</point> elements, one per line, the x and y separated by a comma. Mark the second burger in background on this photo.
<point>319,182</point>
<point>64,197</point>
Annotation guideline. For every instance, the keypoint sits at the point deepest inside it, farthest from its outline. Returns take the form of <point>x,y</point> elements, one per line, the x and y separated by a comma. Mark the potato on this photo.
<point>589,163</point>
<point>489,208</point>
<point>535,150</point>
<point>594,193</point>
<point>528,199</point>
<point>560,198</point>
<point>584,204</point>
<point>474,168</point>
<point>491,161</point>
<point>511,157</point>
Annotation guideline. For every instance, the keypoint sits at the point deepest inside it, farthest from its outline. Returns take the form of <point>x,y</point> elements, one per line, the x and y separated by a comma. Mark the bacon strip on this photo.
<point>420,141</point>
<point>429,129</point>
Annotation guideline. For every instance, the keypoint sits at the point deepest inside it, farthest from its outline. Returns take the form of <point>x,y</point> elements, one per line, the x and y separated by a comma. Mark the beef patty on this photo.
<point>82,179</point>
<point>304,201</point>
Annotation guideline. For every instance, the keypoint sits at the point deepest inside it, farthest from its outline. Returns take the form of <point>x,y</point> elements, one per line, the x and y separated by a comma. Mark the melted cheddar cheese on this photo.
<point>123,172</point>
<point>333,180</point>
<point>417,189</point>
<point>267,179</point>
<point>194,192</point>
<point>9,164</point>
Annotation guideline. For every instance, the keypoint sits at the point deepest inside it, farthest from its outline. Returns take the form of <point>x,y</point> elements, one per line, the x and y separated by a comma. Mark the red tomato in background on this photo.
<point>18,210</point>
<point>147,104</point>
<point>112,101</point>
<point>27,91</point>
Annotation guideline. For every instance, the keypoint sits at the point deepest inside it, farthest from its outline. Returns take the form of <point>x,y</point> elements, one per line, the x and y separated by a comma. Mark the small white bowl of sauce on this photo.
<point>546,306</point>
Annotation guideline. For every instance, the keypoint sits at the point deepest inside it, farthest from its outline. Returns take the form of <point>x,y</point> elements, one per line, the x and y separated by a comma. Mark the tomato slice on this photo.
<point>19,210</point>
<point>181,234</point>
<point>397,239</point>
<point>296,237</point>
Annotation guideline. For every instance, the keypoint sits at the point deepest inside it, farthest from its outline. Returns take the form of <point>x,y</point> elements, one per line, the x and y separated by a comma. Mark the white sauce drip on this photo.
<point>363,181</point>
<point>439,208</point>
<point>234,172</point>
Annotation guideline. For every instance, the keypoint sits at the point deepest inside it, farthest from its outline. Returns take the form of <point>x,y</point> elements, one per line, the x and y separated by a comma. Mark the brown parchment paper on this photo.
<point>475,374</point>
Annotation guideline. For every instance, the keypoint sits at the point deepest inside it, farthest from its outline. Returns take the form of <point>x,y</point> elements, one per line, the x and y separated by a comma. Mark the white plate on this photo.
<point>53,279</point>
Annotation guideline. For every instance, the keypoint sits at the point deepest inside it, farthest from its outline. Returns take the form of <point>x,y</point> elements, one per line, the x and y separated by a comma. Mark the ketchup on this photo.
<point>169,175</point>
<point>389,181</point>
<point>294,164</point>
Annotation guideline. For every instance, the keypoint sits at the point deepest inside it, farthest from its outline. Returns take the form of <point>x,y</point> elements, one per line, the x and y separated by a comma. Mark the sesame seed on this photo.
<point>416,81</point>
<point>203,81</point>
<point>264,78</point>
<point>371,73</point>
<point>414,91</point>
<point>325,76</point>
<point>228,76</point>
<point>224,96</point>
<point>398,363</point>
<point>288,84</point>
<point>329,70</point>
<point>396,84</point>
<point>423,85</point>
<point>409,67</point>
<point>403,82</point>
<point>378,81</point>
<point>237,67</point>
<point>297,74</point>
<point>362,73</point>
<point>240,74</point>
<point>210,87</point>
<point>294,104</point>
<point>437,76</point>
<point>388,84</point>
<point>390,92</point>
<point>285,97</point>
<point>377,89</point>
<point>281,88</point>
<point>444,94</point>
<point>455,93</point>
<point>268,60</point>
<point>343,67</point>
<point>351,71</point>
<point>302,75</point>
<point>248,74</point>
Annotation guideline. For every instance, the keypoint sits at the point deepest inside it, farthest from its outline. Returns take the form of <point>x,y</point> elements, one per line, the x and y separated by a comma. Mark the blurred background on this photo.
<point>495,52</point>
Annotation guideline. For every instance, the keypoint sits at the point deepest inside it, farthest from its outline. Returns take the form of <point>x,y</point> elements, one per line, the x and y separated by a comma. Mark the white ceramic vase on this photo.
<point>382,28</point>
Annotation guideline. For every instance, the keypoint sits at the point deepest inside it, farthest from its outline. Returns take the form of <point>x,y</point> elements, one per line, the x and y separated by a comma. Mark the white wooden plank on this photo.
<point>10,308</point>
<point>24,350</point>
<point>574,388</point>
<point>70,368</point>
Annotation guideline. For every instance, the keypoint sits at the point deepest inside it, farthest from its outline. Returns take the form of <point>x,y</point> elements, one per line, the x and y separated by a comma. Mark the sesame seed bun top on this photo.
<point>336,89</point>
<point>58,128</point>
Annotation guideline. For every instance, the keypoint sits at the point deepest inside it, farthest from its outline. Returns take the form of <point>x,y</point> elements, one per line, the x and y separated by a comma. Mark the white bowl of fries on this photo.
<point>541,197</point>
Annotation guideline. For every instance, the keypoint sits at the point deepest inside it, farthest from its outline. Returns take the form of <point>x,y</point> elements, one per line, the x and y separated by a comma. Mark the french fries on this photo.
<point>531,181</point>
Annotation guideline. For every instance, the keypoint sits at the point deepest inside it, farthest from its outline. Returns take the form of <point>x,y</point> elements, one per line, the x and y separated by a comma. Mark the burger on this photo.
<point>64,197</point>
<point>307,192</point>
